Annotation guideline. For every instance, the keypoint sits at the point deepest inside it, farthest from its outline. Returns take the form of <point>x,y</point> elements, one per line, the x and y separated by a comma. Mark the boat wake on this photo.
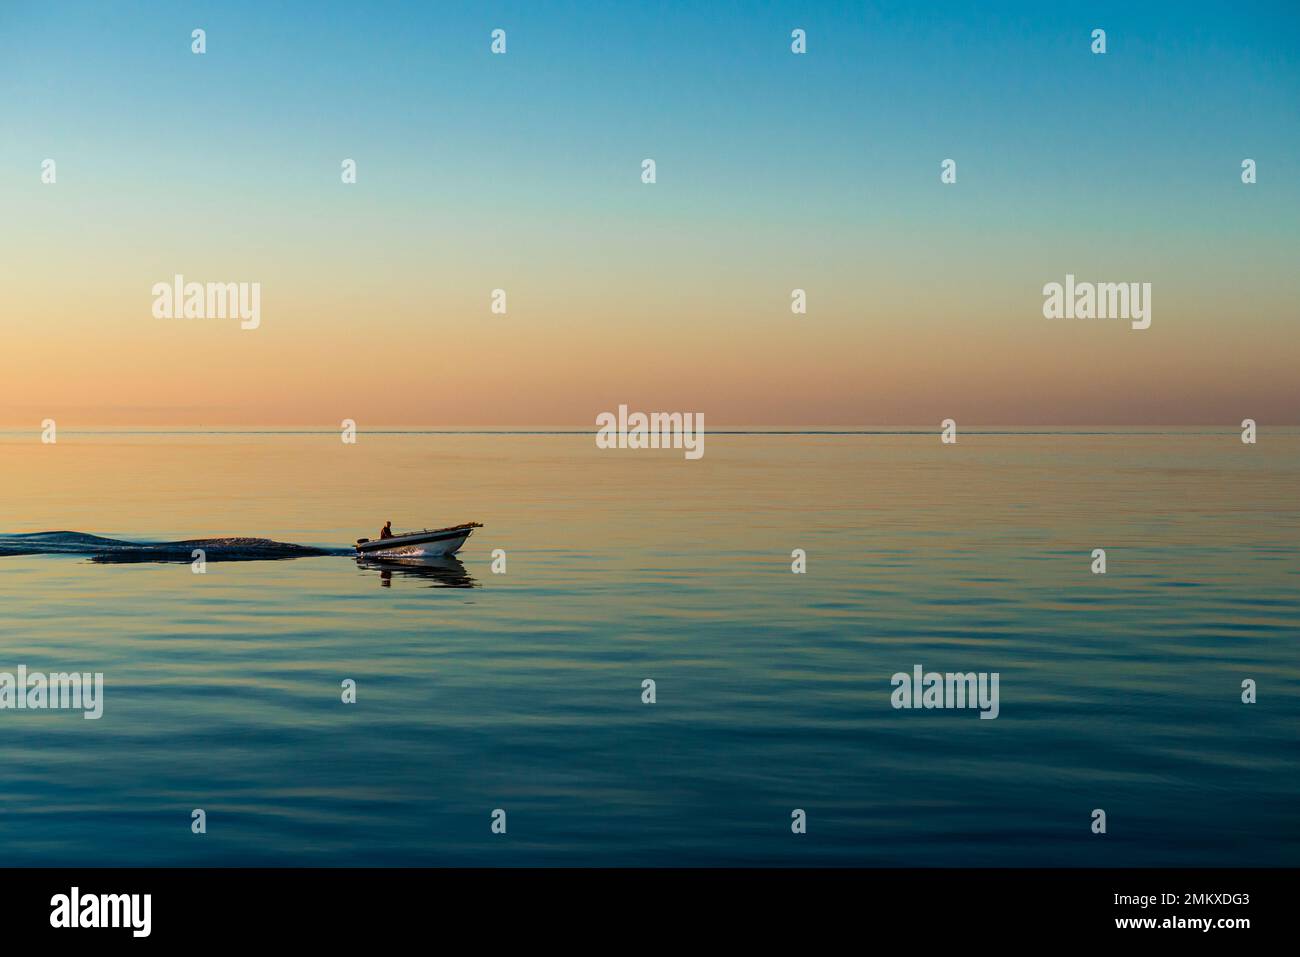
<point>112,550</point>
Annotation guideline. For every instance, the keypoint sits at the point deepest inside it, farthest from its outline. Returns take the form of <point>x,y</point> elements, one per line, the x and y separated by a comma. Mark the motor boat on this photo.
<point>429,543</point>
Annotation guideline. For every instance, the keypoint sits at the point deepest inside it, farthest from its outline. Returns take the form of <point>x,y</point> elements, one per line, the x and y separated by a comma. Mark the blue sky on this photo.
<point>774,170</point>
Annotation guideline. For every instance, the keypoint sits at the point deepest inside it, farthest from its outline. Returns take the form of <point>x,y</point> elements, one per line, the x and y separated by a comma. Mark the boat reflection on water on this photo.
<point>439,572</point>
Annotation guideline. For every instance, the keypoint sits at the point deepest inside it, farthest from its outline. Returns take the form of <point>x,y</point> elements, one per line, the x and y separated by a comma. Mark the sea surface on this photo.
<point>522,691</point>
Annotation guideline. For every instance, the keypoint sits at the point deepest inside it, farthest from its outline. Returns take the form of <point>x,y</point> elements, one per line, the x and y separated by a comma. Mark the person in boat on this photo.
<point>387,530</point>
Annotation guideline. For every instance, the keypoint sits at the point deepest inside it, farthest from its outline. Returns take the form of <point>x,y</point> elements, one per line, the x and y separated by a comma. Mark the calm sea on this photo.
<point>524,692</point>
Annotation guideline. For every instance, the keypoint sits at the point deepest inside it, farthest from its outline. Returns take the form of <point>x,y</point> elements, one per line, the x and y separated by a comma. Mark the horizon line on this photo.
<point>1146,429</point>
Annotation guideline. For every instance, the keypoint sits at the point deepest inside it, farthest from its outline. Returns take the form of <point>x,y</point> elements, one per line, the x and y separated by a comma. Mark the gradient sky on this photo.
<point>775,171</point>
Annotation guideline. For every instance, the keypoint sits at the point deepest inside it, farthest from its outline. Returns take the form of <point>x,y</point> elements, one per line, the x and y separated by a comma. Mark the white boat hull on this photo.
<point>436,543</point>
<point>441,549</point>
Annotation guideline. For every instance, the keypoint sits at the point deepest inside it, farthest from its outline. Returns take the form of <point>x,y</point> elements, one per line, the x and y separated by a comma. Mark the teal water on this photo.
<point>523,691</point>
